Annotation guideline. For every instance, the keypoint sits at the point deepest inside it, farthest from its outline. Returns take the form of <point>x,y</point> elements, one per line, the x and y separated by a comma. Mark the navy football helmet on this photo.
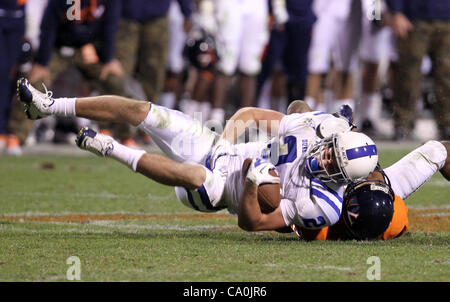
<point>200,49</point>
<point>368,208</point>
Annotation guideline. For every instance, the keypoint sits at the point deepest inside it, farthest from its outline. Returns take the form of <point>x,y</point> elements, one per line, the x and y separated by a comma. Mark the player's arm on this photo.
<point>246,117</point>
<point>250,217</point>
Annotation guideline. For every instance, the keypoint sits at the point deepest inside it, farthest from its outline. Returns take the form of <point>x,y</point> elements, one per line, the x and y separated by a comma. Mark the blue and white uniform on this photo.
<point>305,201</point>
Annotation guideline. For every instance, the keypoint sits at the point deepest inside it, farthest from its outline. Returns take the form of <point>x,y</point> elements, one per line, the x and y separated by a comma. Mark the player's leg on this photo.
<point>440,49</point>
<point>112,108</point>
<point>253,39</point>
<point>414,169</point>
<point>100,108</point>
<point>229,18</point>
<point>178,135</point>
<point>319,53</point>
<point>197,187</point>
<point>345,58</point>
<point>154,166</point>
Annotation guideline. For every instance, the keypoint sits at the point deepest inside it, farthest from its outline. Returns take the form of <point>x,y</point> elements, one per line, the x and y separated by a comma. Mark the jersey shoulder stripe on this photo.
<point>322,185</point>
<point>329,199</point>
<point>317,193</point>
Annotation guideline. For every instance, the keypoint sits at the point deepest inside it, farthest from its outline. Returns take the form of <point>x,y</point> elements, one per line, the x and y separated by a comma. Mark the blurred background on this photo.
<point>388,60</point>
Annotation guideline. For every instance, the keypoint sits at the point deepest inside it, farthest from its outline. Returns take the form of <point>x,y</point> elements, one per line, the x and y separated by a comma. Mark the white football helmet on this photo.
<point>332,125</point>
<point>354,156</point>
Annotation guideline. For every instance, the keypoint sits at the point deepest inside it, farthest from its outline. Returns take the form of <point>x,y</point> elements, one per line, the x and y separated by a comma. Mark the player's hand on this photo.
<point>258,172</point>
<point>113,67</point>
<point>39,73</point>
<point>401,25</point>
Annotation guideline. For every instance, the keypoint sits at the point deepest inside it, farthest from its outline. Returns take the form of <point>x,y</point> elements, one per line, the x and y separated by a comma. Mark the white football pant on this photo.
<point>413,170</point>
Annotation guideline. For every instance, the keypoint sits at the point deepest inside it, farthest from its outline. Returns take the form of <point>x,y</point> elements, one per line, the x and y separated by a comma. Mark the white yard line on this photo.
<point>107,195</point>
<point>124,213</point>
<point>132,228</point>
<point>311,266</point>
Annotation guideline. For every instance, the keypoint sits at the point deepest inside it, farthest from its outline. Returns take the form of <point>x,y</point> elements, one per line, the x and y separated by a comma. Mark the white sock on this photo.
<point>63,107</point>
<point>126,155</point>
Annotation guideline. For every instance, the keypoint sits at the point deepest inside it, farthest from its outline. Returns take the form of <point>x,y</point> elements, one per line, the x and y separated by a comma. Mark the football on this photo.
<point>269,195</point>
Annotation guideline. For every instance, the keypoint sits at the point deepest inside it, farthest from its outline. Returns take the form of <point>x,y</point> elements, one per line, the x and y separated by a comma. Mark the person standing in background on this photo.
<point>422,27</point>
<point>242,34</point>
<point>12,31</point>
<point>289,44</point>
<point>143,41</point>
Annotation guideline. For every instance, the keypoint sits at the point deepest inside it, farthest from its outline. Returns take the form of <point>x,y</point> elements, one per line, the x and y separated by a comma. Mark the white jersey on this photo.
<point>230,168</point>
<point>306,202</point>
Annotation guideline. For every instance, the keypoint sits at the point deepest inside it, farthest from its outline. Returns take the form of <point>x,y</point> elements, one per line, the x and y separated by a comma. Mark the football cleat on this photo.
<point>37,104</point>
<point>97,143</point>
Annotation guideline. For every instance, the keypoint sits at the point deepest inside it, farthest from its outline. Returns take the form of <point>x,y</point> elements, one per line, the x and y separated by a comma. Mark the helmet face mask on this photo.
<point>368,208</point>
<point>354,156</point>
<point>317,162</point>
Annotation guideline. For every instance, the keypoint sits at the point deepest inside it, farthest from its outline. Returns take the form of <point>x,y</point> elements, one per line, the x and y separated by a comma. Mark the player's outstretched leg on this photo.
<point>154,166</point>
<point>179,136</point>
<point>102,108</point>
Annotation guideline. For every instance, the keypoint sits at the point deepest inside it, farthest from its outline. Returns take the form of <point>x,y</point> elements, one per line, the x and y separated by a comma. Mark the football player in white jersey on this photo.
<point>370,212</point>
<point>207,169</point>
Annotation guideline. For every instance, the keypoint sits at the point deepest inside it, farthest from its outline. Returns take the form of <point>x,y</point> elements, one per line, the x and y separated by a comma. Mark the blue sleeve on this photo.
<point>396,5</point>
<point>186,7</point>
<point>109,30</point>
<point>49,27</point>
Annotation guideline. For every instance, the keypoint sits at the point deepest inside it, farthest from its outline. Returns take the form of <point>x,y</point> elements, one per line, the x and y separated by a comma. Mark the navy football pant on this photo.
<point>11,34</point>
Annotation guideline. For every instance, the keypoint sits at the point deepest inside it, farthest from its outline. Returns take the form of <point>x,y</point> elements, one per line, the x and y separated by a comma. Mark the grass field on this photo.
<point>124,227</point>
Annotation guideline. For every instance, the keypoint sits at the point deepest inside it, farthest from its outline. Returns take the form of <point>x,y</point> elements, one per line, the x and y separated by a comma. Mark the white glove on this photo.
<point>258,172</point>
